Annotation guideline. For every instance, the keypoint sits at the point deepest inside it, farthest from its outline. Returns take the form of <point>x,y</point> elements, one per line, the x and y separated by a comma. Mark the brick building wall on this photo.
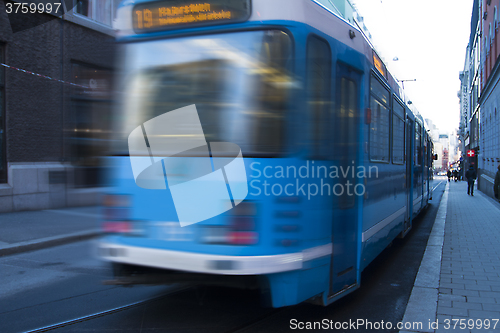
<point>40,116</point>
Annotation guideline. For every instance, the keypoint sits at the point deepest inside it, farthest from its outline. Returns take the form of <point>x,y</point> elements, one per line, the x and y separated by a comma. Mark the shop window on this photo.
<point>91,121</point>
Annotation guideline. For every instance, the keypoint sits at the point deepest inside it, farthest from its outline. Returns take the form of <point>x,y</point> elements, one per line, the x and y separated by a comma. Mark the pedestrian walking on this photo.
<point>455,174</point>
<point>449,175</point>
<point>496,186</point>
<point>471,176</point>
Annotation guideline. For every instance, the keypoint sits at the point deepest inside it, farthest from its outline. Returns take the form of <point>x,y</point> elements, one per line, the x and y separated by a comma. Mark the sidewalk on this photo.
<point>463,294</point>
<point>27,231</point>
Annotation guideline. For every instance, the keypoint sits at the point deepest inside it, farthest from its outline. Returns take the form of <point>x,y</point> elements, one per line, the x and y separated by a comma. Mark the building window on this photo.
<point>491,34</point>
<point>82,7</point>
<point>495,18</point>
<point>380,120</point>
<point>102,11</point>
<point>3,144</point>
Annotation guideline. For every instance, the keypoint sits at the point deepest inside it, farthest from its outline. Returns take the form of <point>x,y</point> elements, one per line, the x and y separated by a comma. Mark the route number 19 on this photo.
<point>144,18</point>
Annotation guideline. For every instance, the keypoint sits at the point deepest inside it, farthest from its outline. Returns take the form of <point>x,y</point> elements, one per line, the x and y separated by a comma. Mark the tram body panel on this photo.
<point>300,247</point>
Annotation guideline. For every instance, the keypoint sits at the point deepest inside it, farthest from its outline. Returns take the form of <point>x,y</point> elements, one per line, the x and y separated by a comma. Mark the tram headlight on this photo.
<point>117,216</point>
<point>241,229</point>
<point>243,224</point>
<point>112,227</point>
<point>116,207</point>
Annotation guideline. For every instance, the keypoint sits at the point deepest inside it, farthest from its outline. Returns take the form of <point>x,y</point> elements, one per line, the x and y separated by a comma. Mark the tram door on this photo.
<point>430,168</point>
<point>345,217</point>
<point>409,171</point>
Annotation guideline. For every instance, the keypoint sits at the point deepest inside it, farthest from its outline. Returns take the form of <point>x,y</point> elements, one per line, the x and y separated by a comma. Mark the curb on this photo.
<point>422,305</point>
<point>48,242</point>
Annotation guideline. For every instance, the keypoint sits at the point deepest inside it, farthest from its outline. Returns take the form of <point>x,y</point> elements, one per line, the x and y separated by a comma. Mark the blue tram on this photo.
<point>336,164</point>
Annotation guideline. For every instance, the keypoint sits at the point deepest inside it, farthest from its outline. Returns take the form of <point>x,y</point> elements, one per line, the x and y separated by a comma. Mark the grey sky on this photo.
<point>429,37</point>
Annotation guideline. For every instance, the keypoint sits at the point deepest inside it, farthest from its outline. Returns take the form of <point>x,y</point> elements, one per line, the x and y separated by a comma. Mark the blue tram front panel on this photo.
<point>327,189</point>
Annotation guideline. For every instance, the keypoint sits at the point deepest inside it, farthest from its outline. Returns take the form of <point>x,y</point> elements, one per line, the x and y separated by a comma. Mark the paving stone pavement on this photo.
<point>469,287</point>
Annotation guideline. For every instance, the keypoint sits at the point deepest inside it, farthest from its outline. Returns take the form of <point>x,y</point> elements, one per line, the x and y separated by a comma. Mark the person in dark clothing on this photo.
<point>496,186</point>
<point>455,174</point>
<point>471,176</point>
<point>449,175</point>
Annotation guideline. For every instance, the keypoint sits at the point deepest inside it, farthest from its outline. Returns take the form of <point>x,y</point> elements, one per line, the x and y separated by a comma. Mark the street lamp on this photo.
<point>403,82</point>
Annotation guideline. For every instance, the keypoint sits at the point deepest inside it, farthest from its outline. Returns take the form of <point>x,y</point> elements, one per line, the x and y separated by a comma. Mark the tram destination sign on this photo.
<point>175,14</point>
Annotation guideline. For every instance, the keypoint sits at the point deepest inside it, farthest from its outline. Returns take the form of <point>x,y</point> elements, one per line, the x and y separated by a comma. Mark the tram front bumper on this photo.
<point>211,263</point>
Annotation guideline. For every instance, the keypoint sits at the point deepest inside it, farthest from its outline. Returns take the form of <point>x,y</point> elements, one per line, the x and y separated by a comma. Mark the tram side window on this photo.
<point>269,97</point>
<point>425,152</point>
<point>418,144</point>
<point>380,119</point>
<point>346,134</point>
<point>398,134</point>
<point>319,68</point>
<point>345,122</point>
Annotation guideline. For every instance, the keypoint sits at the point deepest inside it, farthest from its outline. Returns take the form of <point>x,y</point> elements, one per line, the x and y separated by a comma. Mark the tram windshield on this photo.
<point>239,82</point>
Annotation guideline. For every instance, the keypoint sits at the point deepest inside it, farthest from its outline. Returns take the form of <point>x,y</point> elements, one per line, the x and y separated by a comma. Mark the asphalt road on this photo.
<point>49,286</point>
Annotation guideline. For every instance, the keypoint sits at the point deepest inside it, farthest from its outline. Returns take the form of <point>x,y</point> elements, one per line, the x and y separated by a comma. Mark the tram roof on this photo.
<point>305,11</point>
<point>308,12</point>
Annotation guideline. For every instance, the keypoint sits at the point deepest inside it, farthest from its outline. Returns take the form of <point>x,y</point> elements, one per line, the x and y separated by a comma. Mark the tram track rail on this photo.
<point>247,326</point>
<point>106,312</point>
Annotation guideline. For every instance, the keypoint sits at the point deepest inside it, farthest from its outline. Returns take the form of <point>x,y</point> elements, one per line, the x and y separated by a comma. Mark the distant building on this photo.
<point>434,131</point>
<point>455,151</point>
<point>438,164</point>
<point>445,161</point>
<point>470,88</point>
<point>438,146</point>
<point>55,85</point>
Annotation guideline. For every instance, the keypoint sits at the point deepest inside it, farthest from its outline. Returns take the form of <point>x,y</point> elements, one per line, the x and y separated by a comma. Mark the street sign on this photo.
<point>471,153</point>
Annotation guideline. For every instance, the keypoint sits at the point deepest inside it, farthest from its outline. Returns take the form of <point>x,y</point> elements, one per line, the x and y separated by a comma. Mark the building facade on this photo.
<point>480,94</point>
<point>55,97</point>
<point>489,119</point>
<point>470,89</point>
<point>438,146</point>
